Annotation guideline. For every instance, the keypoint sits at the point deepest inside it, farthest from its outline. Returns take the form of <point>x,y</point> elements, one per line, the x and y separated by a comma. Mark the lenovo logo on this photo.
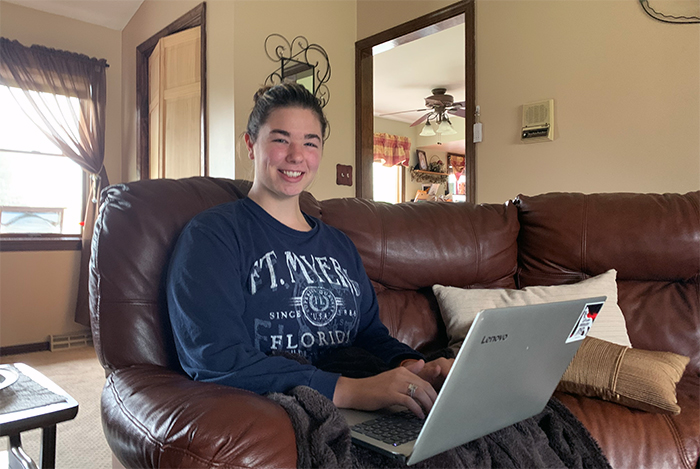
<point>494,338</point>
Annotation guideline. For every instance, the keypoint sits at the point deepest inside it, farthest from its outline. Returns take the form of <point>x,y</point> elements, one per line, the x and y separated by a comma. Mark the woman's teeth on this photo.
<point>292,174</point>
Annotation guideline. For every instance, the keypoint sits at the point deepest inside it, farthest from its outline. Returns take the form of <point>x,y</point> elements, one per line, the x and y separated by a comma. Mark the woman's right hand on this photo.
<point>384,390</point>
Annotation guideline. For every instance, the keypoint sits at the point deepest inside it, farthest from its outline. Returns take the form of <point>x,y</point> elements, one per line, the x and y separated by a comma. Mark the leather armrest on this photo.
<point>155,417</point>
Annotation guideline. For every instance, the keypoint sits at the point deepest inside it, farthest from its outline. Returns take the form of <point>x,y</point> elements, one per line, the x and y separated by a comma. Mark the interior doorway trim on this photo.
<point>193,18</point>
<point>406,32</point>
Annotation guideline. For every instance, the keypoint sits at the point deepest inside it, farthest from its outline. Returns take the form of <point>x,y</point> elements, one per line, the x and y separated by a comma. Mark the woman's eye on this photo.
<point>312,144</point>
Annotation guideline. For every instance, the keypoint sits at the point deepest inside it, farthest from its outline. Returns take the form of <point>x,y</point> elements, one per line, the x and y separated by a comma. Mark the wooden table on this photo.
<point>18,415</point>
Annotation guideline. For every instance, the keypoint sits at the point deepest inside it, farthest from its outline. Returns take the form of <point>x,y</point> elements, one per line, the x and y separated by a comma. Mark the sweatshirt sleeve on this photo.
<point>373,335</point>
<point>206,303</point>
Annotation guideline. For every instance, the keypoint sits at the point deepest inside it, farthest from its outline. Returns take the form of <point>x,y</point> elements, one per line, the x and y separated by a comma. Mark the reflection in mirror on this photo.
<point>298,72</point>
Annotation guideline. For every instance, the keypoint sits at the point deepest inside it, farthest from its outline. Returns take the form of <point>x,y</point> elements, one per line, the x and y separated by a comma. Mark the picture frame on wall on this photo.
<point>422,160</point>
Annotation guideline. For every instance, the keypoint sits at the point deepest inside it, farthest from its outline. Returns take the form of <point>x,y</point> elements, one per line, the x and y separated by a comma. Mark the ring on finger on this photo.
<point>412,389</point>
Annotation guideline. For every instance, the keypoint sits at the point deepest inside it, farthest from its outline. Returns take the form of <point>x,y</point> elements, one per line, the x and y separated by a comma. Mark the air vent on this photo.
<point>70,341</point>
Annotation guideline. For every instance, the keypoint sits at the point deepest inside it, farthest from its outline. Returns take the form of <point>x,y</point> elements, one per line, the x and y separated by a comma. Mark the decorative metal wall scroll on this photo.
<point>673,13</point>
<point>300,62</point>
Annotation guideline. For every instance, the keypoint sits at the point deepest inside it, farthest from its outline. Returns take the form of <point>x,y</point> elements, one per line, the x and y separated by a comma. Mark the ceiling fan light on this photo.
<point>427,130</point>
<point>445,128</point>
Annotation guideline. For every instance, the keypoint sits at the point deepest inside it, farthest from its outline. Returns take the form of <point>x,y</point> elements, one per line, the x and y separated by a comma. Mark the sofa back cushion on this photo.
<point>652,240</point>
<point>407,248</point>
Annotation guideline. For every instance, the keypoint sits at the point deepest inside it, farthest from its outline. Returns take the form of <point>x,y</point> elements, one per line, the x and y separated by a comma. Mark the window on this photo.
<point>387,183</point>
<point>41,191</point>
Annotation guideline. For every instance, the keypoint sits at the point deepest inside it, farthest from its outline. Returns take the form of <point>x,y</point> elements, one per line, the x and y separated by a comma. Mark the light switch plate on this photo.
<point>343,175</point>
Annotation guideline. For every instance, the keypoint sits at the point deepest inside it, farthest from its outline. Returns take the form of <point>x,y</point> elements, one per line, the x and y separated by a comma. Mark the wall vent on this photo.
<point>70,341</point>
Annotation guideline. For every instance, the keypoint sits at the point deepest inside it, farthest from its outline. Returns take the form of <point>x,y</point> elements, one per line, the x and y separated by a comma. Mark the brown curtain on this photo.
<point>48,79</point>
<point>391,150</point>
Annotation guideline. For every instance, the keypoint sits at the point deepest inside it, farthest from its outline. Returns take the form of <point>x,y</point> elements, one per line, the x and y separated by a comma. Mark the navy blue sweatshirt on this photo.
<point>242,286</point>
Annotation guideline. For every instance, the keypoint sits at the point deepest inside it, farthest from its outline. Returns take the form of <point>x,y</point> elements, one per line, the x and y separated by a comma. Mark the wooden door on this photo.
<point>175,106</point>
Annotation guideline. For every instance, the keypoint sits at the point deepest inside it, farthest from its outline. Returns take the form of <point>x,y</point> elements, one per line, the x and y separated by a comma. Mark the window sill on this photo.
<point>10,242</point>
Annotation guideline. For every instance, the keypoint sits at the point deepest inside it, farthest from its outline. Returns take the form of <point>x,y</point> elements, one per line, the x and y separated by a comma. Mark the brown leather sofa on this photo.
<point>155,416</point>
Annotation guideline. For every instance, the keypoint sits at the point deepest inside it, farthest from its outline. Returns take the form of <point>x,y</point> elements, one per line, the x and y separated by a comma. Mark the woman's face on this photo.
<point>287,152</point>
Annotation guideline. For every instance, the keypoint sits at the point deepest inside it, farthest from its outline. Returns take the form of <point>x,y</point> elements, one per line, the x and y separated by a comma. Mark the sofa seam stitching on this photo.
<point>160,444</point>
<point>679,442</point>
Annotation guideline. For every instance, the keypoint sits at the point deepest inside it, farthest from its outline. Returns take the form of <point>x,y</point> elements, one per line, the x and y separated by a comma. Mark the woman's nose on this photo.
<point>295,152</point>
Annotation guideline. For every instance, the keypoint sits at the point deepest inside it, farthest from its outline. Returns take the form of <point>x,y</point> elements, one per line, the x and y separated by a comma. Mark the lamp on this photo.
<point>427,130</point>
<point>445,127</point>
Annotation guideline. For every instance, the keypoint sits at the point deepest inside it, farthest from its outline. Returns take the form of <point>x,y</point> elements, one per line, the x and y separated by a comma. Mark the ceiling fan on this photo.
<point>439,104</point>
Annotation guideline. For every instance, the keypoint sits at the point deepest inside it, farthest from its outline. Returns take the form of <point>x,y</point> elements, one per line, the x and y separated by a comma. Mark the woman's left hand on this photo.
<point>434,371</point>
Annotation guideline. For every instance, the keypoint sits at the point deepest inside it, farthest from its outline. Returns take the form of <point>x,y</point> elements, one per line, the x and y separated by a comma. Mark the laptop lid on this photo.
<point>506,371</point>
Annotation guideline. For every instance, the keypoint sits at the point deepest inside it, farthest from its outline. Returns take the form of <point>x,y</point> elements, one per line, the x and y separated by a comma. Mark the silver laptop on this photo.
<point>506,371</point>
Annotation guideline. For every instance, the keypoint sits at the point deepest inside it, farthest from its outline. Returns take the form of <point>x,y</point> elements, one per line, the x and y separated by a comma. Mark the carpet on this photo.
<point>80,442</point>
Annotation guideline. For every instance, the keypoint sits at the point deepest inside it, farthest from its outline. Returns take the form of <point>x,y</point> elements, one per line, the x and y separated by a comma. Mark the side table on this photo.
<point>33,401</point>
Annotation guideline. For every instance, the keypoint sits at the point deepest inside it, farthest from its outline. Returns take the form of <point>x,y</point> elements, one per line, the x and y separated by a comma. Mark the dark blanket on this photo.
<point>554,438</point>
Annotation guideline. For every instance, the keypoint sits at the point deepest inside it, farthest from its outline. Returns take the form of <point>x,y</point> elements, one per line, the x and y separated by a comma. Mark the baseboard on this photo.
<point>25,348</point>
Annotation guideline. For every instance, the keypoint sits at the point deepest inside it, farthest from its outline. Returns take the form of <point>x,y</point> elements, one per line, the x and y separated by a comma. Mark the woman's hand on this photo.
<point>386,389</point>
<point>434,371</point>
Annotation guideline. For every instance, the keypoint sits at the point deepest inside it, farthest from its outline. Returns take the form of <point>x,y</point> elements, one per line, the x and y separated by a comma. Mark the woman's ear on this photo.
<point>249,145</point>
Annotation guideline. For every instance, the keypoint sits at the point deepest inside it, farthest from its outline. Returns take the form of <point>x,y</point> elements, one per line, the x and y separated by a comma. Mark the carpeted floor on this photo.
<point>80,442</point>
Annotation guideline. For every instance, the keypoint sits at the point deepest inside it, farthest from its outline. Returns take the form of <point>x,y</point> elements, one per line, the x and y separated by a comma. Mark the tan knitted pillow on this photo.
<point>635,378</point>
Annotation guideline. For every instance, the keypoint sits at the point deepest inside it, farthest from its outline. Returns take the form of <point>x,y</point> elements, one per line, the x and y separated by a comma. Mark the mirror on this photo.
<point>298,72</point>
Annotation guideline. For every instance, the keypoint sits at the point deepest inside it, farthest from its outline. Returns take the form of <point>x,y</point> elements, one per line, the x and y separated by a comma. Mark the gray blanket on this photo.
<point>553,439</point>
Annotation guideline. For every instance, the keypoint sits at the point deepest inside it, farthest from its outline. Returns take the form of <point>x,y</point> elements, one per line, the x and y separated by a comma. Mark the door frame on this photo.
<point>191,19</point>
<point>364,81</point>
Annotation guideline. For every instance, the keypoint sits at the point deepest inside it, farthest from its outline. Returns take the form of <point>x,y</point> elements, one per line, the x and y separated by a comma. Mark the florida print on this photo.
<point>314,303</point>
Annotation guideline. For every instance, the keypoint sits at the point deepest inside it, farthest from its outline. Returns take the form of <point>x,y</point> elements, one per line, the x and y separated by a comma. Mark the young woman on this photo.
<point>257,277</point>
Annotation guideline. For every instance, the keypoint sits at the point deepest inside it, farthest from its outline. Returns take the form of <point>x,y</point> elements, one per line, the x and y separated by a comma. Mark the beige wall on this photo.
<point>38,289</point>
<point>332,26</point>
<point>625,90</point>
<point>236,34</point>
<point>375,16</point>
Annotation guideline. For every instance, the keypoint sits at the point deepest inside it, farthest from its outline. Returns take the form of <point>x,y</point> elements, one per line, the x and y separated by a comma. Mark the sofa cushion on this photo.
<point>459,306</point>
<point>640,379</point>
<point>652,240</point>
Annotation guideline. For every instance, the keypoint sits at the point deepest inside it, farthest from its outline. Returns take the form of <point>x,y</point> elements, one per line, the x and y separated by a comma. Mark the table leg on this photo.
<point>17,458</point>
<point>48,447</point>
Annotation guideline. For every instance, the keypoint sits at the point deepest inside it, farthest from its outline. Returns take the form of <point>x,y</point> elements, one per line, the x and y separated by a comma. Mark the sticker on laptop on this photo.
<point>585,321</point>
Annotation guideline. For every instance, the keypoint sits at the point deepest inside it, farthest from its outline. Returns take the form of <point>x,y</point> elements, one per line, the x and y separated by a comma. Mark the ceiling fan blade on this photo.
<point>401,112</point>
<point>458,103</point>
<point>421,120</point>
<point>458,112</point>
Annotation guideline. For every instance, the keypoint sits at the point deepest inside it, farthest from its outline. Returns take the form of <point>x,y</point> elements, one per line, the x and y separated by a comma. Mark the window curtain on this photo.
<point>391,150</point>
<point>48,79</point>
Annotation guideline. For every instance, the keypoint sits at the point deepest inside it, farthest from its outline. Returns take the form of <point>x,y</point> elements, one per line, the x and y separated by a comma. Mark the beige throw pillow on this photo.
<point>459,306</point>
<point>635,378</point>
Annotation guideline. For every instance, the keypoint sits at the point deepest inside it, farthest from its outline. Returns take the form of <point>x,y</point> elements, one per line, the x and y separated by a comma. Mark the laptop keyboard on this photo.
<point>394,429</point>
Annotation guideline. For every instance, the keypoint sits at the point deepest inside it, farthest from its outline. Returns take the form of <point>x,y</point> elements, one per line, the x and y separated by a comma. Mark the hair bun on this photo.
<point>259,94</point>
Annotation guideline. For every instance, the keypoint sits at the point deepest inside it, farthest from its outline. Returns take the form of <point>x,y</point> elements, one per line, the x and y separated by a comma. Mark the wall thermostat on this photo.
<point>538,122</point>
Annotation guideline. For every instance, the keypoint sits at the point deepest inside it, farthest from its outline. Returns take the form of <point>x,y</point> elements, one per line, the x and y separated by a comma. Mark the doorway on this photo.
<point>146,165</point>
<point>364,81</point>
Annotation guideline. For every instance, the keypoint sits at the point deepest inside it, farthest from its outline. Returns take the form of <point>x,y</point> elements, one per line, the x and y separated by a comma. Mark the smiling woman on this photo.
<point>253,283</point>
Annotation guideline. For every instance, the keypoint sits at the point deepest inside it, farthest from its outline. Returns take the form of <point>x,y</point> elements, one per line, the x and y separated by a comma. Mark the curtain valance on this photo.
<point>391,150</point>
<point>48,70</point>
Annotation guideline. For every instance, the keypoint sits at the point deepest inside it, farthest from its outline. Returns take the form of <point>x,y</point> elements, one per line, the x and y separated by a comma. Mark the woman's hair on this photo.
<point>284,95</point>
